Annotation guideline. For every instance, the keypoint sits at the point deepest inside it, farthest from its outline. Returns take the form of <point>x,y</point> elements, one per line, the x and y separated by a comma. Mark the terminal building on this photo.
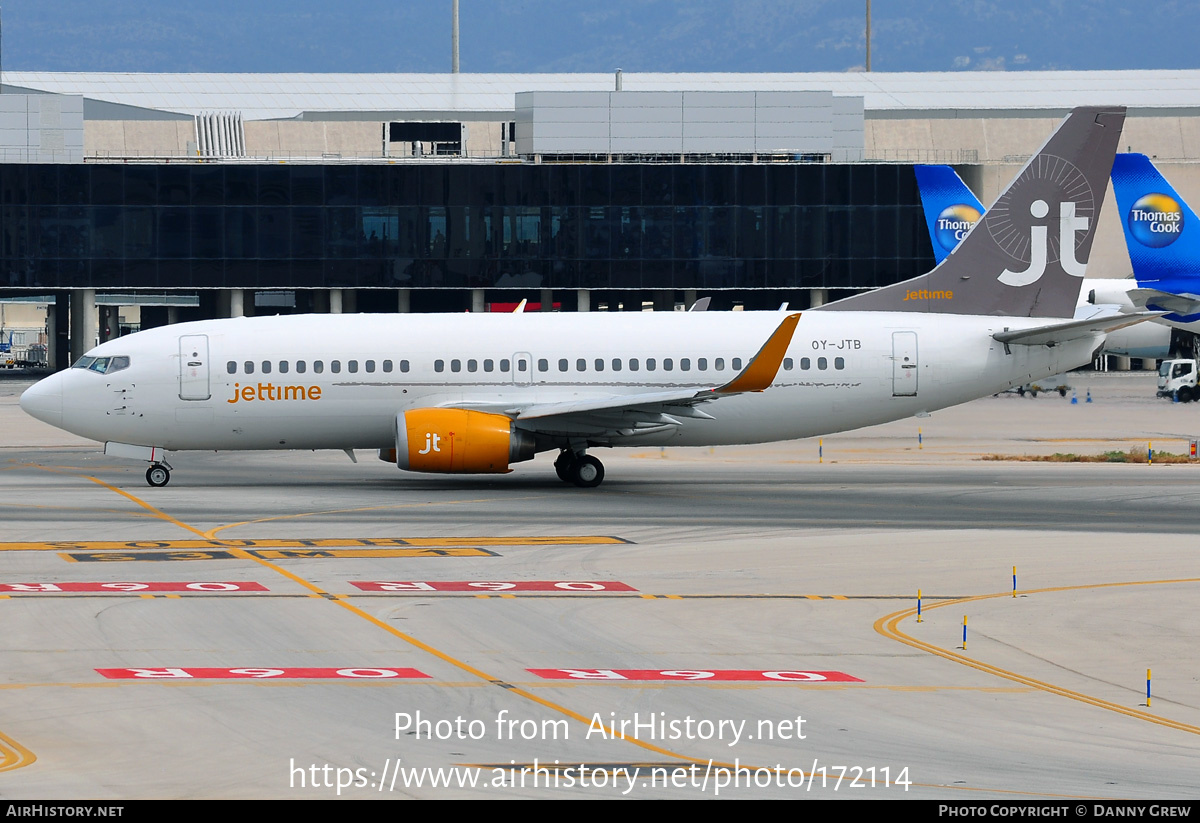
<point>134,200</point>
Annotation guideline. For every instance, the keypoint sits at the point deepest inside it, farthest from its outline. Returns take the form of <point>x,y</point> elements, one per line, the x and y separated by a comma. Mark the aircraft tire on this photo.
<point>587,472</point>
<point>562,466</point>
<point>158,476</point>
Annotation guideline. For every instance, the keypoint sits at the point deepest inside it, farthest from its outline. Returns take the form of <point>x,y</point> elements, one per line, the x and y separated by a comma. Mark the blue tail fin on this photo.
<point>950,207</point>
<point>1161,232</point>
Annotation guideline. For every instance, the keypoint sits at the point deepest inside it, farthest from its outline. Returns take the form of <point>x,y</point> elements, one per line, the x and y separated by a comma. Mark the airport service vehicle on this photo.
<point>1177,380</point>
<point>951,209</point>
<point>475,393</point>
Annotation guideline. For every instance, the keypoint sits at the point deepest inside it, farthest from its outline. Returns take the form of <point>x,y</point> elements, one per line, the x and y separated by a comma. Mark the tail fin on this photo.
<point>1162,233</point>
<point>951,209</point>
<point>1028,254</point>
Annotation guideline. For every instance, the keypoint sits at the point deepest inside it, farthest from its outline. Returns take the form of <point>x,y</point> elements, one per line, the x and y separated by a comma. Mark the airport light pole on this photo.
<point>868,34</point>
<point>454,37</point>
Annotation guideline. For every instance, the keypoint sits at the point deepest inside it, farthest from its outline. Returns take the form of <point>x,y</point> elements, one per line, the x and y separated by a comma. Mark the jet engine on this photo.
<point>458,441</point>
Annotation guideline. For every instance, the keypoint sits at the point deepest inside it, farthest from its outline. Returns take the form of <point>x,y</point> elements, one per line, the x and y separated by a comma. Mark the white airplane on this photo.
<point>476,393</point>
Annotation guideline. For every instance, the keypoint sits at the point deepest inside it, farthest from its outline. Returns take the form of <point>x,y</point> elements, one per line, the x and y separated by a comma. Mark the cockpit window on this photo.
<point>103,365</point>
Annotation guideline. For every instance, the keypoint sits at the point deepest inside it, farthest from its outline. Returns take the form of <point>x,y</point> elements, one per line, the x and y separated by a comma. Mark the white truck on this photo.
<point>1177,380</point>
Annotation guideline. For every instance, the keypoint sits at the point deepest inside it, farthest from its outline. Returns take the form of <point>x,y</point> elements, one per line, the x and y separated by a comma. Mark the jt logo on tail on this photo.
<point>1068,225</point>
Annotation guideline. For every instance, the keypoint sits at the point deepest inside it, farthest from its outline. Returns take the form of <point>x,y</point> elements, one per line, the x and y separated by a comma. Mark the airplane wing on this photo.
<point>1184,304</point>
<point>1063,332</point>
<point>626,414</point>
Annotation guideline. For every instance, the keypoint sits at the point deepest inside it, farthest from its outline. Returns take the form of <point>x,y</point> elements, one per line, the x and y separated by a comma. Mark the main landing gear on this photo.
<point>158,475</point>
<point>583,470</point>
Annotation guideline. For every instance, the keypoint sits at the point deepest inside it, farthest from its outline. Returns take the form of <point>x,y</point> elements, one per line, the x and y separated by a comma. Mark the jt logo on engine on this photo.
<point>431,443</point>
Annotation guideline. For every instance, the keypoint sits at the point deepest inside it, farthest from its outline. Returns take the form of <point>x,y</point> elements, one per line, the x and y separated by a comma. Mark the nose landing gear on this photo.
<point>158,475</point>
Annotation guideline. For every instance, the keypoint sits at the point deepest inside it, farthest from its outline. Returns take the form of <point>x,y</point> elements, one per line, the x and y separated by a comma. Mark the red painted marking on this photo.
<point>766,676</point>
<point>261,673</point>
<point>202,586</point>
<point>492,586</point>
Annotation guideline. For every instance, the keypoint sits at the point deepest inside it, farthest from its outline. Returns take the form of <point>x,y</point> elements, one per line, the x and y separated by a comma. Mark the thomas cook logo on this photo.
<point>953,224</point>
<point>1156,220</point>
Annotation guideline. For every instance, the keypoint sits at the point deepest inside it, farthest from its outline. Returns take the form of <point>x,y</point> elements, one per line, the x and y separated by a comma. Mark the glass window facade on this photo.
<point>562,226</point>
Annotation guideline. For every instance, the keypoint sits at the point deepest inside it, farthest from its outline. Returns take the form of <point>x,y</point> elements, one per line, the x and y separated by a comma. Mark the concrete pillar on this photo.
<point>817,297</point>
<point>1122,363</point>
<point>1149,364</point>
<point>583,300</point>
<point>172,315</point>
<point>237,303</point>
<point>404,300</point>
<point>477,302</point>
<point>547,299</point>
<point>335,301</point>
<point>83,321</point>
<point>689,298</point>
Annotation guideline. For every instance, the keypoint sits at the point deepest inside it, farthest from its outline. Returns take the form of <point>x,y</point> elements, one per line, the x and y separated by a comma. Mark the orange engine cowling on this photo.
<point>459,440</point>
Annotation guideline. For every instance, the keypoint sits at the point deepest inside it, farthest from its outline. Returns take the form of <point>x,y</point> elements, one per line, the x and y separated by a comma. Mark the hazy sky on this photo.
<point>562,35</point>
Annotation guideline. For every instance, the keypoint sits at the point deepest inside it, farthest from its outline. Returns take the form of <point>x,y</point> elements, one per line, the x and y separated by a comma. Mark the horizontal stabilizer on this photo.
<point>1184,304</point>
<point>1073,330</point>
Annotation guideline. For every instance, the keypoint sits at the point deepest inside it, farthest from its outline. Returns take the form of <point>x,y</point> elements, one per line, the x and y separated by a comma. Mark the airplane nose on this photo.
<point>44,400</point>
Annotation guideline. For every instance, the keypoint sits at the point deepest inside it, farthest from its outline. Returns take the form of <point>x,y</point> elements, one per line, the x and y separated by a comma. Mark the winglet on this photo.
<point>762,368</point>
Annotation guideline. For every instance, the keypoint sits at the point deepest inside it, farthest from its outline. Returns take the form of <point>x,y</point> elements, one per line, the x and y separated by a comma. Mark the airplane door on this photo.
<point>904,364</point>
<point>193,367</point>
<point>522,369</point>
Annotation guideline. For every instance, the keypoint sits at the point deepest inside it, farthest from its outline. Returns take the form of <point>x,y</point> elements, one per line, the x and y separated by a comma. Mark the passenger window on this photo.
<point>489,365</point>
<point>543,364</point>
<point>563,365</point>
<point>616,364</point>
<point>301,367</point>
<point>633,364</point>
<point>599,364</point>
<point>787,363</point>
<point>439,366</point>
<point>335,366</point>
<point>283,367</point>
<point>805,363</point>
<point>352,367</point>
<point>403,366</point>
<point>504,365</point>
<point>650,363</point>
<point>249,367</point>
<point>822,363</point>
<point>521,364</point>
<point>231,367</point>
<point>719,364</point>
<point>702,364</point>
<point>266,367</point>
<point>685,364</point>
<point>839,362</point>
<point>318,366</point>
<point>456,365</point>
<point>668,364</point>
<point>370,364</point>
<point>737,363</point>
<point>472,365</point>
<point>581,365</point>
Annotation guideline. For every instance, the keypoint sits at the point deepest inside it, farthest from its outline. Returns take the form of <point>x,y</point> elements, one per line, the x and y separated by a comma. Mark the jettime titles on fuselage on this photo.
<point>269,391</point>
